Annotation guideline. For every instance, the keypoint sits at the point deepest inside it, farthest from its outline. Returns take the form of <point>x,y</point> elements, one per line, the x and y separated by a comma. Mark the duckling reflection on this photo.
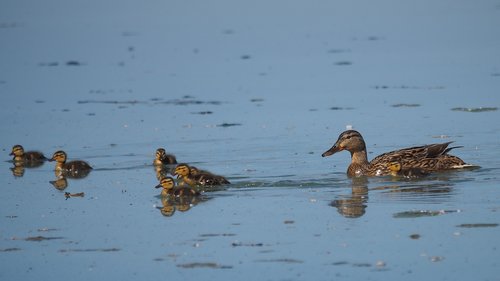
<point>60,183</point>
<point>197,177</point>
<point>18,169</point>
<point>353,205</point>
<point>73,169</point>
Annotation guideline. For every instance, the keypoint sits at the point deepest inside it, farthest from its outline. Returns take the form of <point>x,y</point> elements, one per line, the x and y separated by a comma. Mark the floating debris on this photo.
<point>341,108</point>
<point>73,63</point>
<point>228,124</point>
<point>204,265</point>
<point>475,109</point>
<point>41,238</point>
<point>406,105</point>
<point>415,236</point>
<point>474,225</point>
<point>69,195</point>
<point>283,260</point>
<point>289,222</point>
<point>256,100</point>
<point>241,244</point>
<point>423,213</point>
<point>217,235</point>
<point>436,259</point>
<point>90,250</point>
<point>343,63</point>
<point>10,249</point>
<point>202,112</point>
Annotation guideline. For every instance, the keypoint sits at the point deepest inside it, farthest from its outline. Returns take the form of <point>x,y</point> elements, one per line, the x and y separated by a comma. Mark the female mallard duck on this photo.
<point>26,156</point>
<point>397,170</point>
<point>429,158</point>
<point>162,158</point>
<point>183,171</point>
<point>75,168</point>
<point>169,189</point>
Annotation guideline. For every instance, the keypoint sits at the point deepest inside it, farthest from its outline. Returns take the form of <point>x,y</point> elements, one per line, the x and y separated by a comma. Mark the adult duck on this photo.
<point>428,158</point>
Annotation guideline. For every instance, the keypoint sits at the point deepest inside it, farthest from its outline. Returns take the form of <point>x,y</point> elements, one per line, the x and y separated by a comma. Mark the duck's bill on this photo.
<point>331,151</point>
<point>158,186</point>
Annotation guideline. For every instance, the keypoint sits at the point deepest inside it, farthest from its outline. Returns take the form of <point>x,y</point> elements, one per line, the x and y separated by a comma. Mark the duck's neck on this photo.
<point>59,166</point>
<point>359,163</point>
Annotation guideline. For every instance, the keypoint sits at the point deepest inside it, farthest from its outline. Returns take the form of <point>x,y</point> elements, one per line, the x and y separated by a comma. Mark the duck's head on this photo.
<point>350,140</point>
<point>166,183</point>
<point>17,150</point>
<point>395,167</point>
<point>59,157</point>
<point>182,170</point>
<point>160,153</point>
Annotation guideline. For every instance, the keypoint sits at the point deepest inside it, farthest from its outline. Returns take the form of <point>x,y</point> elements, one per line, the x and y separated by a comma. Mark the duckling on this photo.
<point>432,157</point>
<point>183,171</point>
<point>169,189</point>
<point>76,168</point>
<point>410,173</point>
<point>26,157</point>
<point>162,158</point>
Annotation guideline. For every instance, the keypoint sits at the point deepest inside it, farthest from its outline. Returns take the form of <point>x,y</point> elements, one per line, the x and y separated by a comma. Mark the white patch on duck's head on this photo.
<point>378,173</point>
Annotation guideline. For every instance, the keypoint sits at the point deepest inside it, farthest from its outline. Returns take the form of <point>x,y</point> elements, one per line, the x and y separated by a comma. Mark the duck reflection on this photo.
<point>60,183</point>
<point>177,198</point>
<point>353,205</point>
<point>25,159</point>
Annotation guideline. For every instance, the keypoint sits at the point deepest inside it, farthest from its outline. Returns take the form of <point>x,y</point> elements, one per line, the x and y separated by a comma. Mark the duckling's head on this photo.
<point>59,157</point>
<point>350,140</point>
<point>166,183</point>
<point>160,153</point>
<point>17,150</point>
<point>194,171</point>
<point>182,170</point>
<point>394,167</point>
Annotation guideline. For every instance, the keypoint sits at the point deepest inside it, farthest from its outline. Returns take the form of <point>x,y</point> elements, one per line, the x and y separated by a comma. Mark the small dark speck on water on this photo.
<point>39,101</point>
<point>406,105</point>
<point>474,109</point>
<point>10,249</point>
<point>41,238</point>
<point>202,112</point>
<point>289,222</point>
<point>475,225</point>
<point>203,265</point>
<point>415,236</point>
<point>228,124</point>
<point>245,57</point>
<point>343,63</point>
<point>257,100</point>
<point>341,108</point>
<point>73,63</point>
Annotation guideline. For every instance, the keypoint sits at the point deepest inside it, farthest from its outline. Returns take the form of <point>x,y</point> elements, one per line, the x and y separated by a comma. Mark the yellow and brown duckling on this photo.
<point>169,189</point>
<point>428,158</point>
<point>162,158</point>
<point>184,172</point>
<point>21,156</point>
<point>76,168</point>
<point>411,173</point>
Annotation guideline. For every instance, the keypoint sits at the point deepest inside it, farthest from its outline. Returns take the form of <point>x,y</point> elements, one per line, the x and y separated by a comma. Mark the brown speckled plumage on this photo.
<point>428,158</point>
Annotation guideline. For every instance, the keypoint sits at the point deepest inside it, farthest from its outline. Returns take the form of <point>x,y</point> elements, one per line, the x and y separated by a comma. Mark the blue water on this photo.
<point>254,91</point>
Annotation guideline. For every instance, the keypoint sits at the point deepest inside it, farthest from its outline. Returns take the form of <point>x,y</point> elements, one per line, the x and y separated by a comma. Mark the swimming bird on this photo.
<point>76,168</point>
<point>428,158</point>
<point>169,189</point>
<point>183,171</point>
<point>26,156</point>
<point>162,158</point>
<point>397,170</point>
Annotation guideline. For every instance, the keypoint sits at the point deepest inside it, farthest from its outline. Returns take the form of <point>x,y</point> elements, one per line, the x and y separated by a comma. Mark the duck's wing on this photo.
<point>413,154</point>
